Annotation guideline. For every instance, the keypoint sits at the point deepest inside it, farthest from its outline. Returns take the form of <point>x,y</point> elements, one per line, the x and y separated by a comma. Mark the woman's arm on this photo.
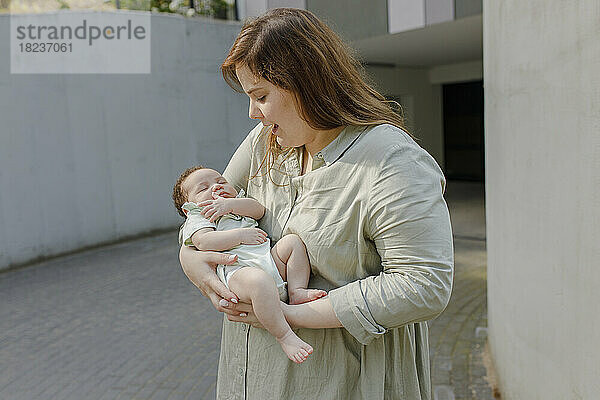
<point>314,314</point>
<point>408,221</point>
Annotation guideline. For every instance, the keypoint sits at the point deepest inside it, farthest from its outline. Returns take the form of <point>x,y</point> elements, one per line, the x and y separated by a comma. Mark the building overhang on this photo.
<point>445,43</point>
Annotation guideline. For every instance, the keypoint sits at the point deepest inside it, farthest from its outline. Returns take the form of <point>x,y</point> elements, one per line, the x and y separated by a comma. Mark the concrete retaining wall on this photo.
<point>86,159</point>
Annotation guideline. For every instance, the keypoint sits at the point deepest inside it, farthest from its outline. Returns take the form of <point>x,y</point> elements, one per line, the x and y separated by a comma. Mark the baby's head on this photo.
<point>197,184</point>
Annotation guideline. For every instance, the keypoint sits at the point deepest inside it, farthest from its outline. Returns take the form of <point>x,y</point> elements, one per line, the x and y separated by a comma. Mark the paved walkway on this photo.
<point>123,322</point>
<point>458,336</point>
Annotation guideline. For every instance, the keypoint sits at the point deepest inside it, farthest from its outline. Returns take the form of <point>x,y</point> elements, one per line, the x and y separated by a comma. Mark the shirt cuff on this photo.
<point>351,308</point>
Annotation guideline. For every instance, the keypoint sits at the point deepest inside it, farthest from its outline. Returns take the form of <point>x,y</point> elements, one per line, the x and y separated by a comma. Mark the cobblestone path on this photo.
<point>123,322</point>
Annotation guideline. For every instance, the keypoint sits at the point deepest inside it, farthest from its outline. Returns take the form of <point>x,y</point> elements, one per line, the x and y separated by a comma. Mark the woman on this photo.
<point>331,162</point>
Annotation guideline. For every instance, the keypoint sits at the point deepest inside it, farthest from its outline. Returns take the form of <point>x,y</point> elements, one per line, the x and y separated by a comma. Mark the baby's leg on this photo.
<point>290,257</point>
<point>256,286</point>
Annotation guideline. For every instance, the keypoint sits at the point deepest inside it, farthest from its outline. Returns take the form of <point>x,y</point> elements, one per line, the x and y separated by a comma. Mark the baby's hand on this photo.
<point>219,191</point>
<point>252,236</point>
<point>216,208</point>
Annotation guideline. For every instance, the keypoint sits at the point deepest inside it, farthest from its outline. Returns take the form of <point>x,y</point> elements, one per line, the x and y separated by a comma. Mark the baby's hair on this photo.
<point>179,195</point>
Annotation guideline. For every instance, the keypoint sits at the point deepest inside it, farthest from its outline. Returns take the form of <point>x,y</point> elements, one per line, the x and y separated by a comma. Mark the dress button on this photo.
<point>240,371</point>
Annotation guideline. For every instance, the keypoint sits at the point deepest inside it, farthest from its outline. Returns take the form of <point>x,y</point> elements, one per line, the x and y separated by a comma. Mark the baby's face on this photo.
<point>201,185</point>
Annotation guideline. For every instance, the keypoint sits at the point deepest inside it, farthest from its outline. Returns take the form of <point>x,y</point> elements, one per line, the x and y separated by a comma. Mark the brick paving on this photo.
<point>119,322</point>
<point>458,336</point>
<point>123,322</point>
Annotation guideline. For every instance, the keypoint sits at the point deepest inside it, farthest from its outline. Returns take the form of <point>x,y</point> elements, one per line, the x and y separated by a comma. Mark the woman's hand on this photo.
<point>245,315</point>
<point>199,267</point>
<point>248,317</point>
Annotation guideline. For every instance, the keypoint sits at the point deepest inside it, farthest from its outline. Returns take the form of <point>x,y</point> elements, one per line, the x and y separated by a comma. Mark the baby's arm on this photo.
<point>212,240</point>
<point>247,207</point>
<point>220,206</point>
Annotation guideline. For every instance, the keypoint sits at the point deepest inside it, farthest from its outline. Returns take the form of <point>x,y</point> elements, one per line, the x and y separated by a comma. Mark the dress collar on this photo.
<point>338,146</point>
<point>329,154</point>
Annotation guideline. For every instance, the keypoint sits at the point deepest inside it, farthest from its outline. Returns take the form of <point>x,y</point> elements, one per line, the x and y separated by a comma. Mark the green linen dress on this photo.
<point>377,231</point>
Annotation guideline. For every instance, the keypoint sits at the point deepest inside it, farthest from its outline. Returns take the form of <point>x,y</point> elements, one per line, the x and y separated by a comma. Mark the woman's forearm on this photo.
<point>315,315</point>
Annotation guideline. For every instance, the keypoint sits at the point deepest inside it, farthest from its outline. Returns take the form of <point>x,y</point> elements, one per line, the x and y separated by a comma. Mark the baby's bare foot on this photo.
<point>296,349</point>
<point>300,296</point>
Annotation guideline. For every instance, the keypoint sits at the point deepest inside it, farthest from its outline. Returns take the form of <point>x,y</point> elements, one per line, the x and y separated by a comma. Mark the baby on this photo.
<point>220,219</point>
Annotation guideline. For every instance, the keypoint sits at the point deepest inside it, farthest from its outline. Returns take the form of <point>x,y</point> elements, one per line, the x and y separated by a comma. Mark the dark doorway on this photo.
<point>463,131</point>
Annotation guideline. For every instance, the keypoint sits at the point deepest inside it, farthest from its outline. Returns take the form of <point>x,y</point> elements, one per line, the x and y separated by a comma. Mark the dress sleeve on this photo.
<point>237,171</point>
<point>408,221</point>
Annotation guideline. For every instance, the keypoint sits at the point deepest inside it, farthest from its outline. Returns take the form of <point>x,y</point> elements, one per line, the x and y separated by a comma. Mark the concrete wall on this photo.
<point>466,8</point>
<point>455,73</point>
<point>346,17</point>
<point>422,100</point>
<point>404,15</point>
<point>352,19</point>
<point>542,106</point>
<point>86,159</point>
<point>253,8</point>
<point>349,17</point>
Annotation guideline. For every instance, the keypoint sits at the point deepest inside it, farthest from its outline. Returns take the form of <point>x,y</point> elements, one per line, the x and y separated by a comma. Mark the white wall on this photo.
<point>86,159</point>
<point>404,15</point>
<point>542,106</point>
<point>437,11</point>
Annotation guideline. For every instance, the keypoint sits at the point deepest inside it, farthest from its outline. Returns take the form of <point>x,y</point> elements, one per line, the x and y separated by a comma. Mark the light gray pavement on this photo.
<point>123,322</point>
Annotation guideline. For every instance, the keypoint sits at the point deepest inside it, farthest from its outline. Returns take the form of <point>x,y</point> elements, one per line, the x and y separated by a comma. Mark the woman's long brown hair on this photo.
<point>294,50</point>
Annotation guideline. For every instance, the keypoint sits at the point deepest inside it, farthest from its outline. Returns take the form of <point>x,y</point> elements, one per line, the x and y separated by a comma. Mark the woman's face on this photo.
<point>275,106</point>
